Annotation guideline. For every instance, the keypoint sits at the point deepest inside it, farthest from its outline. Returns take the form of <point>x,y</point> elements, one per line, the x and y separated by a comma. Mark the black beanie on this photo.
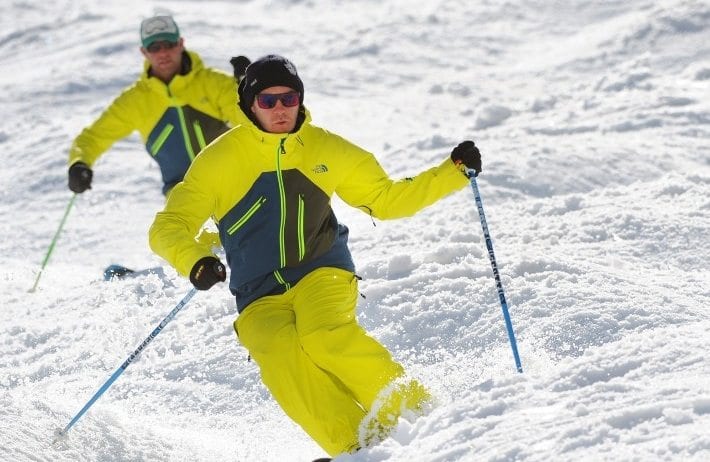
<point>265,72</point>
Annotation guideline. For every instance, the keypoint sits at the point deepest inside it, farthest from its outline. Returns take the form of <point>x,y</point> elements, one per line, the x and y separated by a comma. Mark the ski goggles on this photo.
<point>267,101</point>
<point>160,45</point>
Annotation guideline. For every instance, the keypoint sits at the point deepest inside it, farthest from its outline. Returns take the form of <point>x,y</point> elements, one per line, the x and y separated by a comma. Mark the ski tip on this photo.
<point>115,271</point>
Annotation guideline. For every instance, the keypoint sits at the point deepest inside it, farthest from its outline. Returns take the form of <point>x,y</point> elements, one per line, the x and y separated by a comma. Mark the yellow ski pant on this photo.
<point>318,363</point>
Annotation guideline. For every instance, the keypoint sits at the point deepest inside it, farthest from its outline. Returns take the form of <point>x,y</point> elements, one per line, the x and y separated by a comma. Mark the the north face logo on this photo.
<point>320,168</point>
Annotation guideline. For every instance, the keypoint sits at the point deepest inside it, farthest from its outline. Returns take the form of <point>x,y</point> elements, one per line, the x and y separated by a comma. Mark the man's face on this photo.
<point>164,57</point>
<point>276,109</point>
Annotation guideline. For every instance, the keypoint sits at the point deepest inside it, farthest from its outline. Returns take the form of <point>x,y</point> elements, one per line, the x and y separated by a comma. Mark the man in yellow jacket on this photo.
<point>268,184</point>
<point>177,105</point>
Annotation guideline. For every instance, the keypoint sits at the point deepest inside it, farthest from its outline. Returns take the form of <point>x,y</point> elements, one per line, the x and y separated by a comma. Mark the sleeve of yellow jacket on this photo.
<point>115,123</point>
<point>190,204</point>
<point>368,187</point>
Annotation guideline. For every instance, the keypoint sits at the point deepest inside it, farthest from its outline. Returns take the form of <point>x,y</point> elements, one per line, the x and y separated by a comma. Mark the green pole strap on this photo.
<point>54,241</point>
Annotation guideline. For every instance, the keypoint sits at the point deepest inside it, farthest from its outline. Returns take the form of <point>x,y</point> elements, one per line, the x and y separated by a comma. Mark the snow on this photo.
<point>593,119</point>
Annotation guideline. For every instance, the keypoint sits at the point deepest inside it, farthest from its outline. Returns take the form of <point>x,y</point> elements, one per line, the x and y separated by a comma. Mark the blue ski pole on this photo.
<point>127,362</point>
<point>499,285</point>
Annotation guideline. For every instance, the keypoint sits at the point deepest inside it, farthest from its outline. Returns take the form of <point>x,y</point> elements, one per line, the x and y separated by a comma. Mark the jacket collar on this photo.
<point>275,138</point>
<point>191,63</point>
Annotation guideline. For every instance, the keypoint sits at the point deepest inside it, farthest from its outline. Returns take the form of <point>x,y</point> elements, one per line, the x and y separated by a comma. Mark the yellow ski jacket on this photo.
<point>270,197</point>
<point>175,120</point>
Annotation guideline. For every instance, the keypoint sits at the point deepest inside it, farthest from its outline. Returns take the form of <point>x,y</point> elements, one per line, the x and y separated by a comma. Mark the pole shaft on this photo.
<point>496,274</point>
<point>130,359</point>
<point>54,241</point>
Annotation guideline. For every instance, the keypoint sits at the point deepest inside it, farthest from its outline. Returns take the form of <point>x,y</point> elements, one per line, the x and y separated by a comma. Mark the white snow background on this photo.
<point>594,123</point>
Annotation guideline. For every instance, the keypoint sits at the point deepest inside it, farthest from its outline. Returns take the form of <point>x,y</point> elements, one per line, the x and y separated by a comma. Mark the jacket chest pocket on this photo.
<point>244,219</point>
<point>160,140</point>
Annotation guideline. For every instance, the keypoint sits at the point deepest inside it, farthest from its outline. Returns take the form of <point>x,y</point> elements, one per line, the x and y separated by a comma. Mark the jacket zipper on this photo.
<point>282,199</point>
<point>301,234</point>
<point>183,127</point>
<point>282,226</point>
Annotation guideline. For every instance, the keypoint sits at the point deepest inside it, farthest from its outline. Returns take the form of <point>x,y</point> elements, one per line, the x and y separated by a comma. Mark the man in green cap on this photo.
<point>178,105</point>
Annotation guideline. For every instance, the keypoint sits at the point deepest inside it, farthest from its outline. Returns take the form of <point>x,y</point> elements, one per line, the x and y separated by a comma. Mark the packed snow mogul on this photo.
<point>268,185</point>
<point>178,105</point>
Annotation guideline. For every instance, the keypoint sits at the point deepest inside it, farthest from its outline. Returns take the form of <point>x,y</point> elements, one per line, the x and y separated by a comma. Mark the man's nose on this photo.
<point>279,106</point>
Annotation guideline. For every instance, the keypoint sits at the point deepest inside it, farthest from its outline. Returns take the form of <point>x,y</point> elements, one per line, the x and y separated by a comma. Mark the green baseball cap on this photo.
<point>159,28</point>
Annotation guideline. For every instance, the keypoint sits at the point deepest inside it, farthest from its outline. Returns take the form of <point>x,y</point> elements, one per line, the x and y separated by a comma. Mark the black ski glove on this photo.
<point>239,63</point>
<point>467,153</point>
<point>207,272</point>
<point>80,177</point>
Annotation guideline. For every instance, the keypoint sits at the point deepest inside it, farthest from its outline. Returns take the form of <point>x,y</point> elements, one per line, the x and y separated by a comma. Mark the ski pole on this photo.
<point>54,241</point>
<point>127,362</point>
<point>499,285</point>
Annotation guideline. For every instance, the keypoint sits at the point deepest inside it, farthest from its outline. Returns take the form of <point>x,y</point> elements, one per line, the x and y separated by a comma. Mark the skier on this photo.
<point>178,105</point>
<point>268,185</point>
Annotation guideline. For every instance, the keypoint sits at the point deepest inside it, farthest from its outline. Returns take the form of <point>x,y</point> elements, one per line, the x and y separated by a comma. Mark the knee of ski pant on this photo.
<point>264,329</point>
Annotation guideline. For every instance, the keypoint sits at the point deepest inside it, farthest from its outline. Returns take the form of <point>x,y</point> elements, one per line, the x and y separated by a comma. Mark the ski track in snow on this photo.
<point>594,121</point>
